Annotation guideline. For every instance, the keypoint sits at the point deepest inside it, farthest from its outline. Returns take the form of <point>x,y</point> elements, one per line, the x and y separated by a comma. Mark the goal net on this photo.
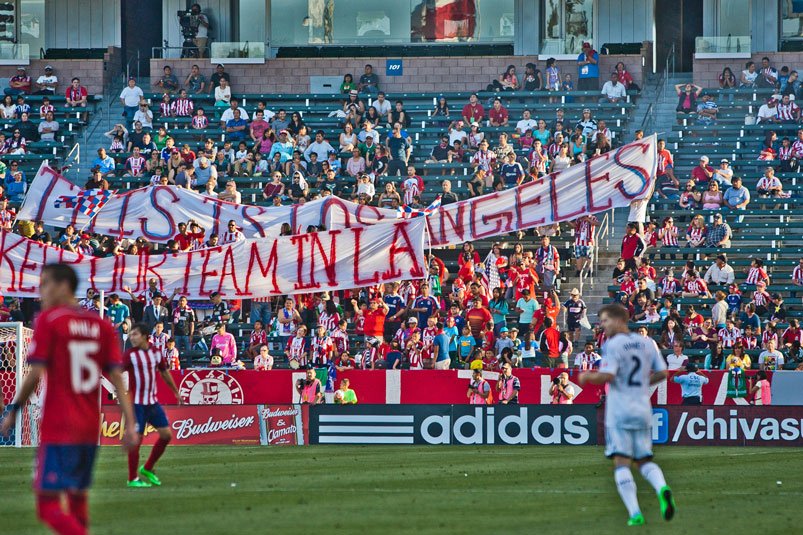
<point>14,342</point>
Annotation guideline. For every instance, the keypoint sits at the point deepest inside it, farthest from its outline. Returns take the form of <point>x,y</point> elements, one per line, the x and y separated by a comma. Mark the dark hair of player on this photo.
<point>141,328</point>
<point>62,273</point>
<point>615,311</point>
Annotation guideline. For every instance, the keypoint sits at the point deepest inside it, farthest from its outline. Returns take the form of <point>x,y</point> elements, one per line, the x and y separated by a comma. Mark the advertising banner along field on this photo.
<point>405,387</point>
<point>613,180</point>
<point>332,260</point>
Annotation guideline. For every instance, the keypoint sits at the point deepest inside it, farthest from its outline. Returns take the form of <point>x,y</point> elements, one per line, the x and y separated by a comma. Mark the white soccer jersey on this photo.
<point>631,359</point>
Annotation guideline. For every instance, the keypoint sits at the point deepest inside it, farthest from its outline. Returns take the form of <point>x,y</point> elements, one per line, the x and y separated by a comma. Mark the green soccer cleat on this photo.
<point>150,476</point>
<point>139,484</point>
<point>636,520</point>
<point>667,503</point>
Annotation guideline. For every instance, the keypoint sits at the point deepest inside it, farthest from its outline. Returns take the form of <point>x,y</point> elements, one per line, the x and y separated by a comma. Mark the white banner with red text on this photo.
<point>154,212</point>
<point>613,180</point>
<point>314,262</point>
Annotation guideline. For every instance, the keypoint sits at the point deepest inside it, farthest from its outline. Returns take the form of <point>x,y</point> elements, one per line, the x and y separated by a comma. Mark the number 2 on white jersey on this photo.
<point>632,380</point>
<point>84,372</point>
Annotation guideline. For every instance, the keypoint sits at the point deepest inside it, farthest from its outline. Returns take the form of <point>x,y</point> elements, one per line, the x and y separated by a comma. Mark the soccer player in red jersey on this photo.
<point>73,345</point>
<point>143,361</point>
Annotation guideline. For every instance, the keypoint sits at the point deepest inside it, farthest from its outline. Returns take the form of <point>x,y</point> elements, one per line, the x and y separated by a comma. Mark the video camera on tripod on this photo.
<point>189,23</point>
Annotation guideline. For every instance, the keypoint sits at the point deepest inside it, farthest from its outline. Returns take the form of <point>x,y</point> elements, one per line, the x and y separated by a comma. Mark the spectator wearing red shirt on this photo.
<point>632,247</point>
<point>20,83</point>
<point>497,115</point>
<point>550,343</point>
<point>76,94</point>
<point>703,172</point>
<point>473,111</point>
<point>184,239</point>
<point>375,319</point>
<point>478,319</point>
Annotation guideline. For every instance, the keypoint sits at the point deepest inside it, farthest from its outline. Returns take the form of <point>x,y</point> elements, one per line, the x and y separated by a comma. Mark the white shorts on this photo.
<point>633,443</point>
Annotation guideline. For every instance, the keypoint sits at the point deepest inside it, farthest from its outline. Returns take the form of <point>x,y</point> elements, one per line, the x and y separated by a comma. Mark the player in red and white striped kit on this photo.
<point>231,234</point>
<point>296,349</point>
<point>182,106</point>
<point>143,363</point>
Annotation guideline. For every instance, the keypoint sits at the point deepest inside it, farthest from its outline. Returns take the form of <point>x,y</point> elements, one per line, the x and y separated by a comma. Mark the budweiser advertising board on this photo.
<point>248,425</point>
<point>283,425</point>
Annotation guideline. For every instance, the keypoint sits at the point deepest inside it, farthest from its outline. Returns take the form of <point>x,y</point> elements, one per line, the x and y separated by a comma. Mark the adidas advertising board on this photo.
<point>454,424</point>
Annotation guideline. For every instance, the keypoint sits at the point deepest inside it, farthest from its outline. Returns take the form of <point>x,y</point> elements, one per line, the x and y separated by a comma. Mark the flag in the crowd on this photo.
<point>408,212</point>
<point>89,202</point>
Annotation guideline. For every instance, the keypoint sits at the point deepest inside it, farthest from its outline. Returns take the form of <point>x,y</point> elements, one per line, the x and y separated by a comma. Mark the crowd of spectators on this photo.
<point>501,307</point>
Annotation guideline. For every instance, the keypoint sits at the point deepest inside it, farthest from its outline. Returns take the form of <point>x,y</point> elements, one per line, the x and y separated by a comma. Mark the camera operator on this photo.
<point>200,25</point>
<point>310,388</point>
<point>508,386</point>
<point>561,390</point>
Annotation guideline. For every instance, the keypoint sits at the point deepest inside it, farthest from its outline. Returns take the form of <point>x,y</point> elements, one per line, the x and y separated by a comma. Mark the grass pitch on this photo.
<point>428,489</point>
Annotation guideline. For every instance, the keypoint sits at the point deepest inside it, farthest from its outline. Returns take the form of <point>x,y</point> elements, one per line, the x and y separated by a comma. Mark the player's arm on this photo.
<point>595,378</point>
<point>171,384</point>
<point>657,377</point>
<point>130,437</point>
<point>28,386</point>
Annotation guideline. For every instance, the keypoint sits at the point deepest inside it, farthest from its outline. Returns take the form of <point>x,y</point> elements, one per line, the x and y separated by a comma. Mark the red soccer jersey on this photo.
<point>143,365</point>
<point>75,345</point>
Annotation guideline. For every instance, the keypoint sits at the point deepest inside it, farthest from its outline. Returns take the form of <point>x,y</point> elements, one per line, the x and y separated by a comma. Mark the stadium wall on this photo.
<point>425,74</point>
<point>94,73</point>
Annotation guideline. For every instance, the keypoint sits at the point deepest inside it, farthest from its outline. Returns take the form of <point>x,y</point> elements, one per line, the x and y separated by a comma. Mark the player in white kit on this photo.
<point>630,364</point>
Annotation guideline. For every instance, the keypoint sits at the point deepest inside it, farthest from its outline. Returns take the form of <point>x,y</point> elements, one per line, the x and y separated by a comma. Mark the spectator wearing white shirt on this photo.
<point>724,175</point>
<point>129,98</point>
<point>771,358</point>
<point>613,90</point>
<point>526,123</point>
<point>47,83</point>
<point>676,360</point>
<point>381,105</point>
<point>321,147</point>
<point>456,133</point>
<point>769,185</point>
<point>231,194</point>
<point>720,272</point>
<point>144,115</point>
<point>768,112</point>
<point>228,115</point>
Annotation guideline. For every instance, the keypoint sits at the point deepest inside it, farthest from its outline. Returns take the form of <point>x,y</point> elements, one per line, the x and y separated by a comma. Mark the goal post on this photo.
<point>14,367</point>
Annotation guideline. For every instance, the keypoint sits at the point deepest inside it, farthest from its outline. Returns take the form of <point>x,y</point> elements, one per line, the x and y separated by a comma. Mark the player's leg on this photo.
<point>157,418</point>
<point>50,512</point>
<point>653,473</point>
<point>79,507</point>
<point>59,468</point>
<point>619,447</point>
<point>133,453</point>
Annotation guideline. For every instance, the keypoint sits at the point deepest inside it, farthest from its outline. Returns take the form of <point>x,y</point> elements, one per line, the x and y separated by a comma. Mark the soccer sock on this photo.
<point>50,512</point>
<point>156,452</point>
<point>654,475</point>
<point>627,489</point>
<point>133,461</point>
<point>79,508</point>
